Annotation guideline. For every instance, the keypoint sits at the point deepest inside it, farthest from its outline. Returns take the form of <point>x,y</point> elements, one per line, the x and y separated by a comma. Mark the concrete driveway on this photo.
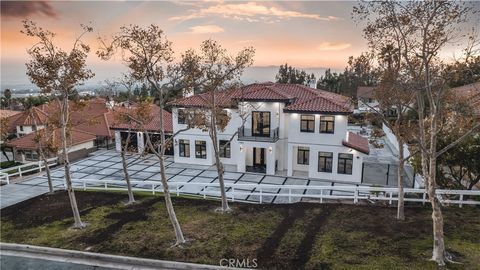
<point>106,164</point>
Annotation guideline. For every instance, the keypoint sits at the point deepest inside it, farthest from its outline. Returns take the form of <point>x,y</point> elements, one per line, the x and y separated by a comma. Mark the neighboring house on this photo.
<point>368,103</point>
<point>80,144</point>
<point>92,116</point>
<point>471,95</point>
<point>137,137</point>
<point>287,127</point>
<point>366,99</point>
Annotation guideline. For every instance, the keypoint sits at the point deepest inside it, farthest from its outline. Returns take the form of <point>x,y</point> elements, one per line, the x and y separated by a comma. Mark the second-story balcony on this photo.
<point>270,135</point>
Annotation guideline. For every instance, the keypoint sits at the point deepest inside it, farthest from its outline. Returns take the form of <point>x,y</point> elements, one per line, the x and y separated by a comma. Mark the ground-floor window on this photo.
<point>345,163</point>
<point>224,149</point>
<point>201,149</point>
<point>303,154</point>
<point>31,155</point>
<point>325,160</point>
<point>184,148</point>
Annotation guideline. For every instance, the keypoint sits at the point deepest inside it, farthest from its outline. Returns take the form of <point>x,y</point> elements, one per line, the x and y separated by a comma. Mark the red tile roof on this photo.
<point>28,142</point>
<point>298,98</point>
<point>152,125</point>
<point>357,142</point>
<point>28,119</point>
<point>91,116</point>
<point>8,113</point>
<point>366,92</point>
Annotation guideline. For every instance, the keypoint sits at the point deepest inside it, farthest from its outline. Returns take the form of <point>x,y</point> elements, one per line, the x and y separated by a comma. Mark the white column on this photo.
<point>118,141</point>
<point>140,143</point>
<point>241,158</point>
<point>290,160</point>
<point>270,153</point>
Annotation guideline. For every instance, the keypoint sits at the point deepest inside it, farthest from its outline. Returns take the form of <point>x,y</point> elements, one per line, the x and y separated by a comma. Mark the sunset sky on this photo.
<point>304,34</point>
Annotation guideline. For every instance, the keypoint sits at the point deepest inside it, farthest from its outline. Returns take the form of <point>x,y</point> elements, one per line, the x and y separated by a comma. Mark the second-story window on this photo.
<point>345,163</point>
<point>303,155</point>
<point>307,123</point>
<point>327,124</point>
<point>325,160</point>
<point>224,148</point>
<point>184,148</point>
<point>181,116</point>
<point>201,149</point>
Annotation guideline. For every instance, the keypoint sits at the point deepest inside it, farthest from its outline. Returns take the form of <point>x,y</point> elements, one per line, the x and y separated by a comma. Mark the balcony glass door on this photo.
<point>261,124</point>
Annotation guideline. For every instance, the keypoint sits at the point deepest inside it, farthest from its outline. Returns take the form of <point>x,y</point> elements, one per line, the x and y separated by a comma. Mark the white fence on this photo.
<point>262,190</point>
<point>20,170</point>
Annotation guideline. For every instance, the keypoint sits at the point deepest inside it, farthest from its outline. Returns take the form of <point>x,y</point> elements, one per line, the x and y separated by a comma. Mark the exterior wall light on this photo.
<point>241,148</point>
<point>270,149</point>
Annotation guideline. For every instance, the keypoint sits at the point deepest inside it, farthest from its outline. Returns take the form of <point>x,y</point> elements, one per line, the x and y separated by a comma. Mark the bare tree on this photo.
<point>423,29</point>
<point>57,72</point>
<point>212,71</point>
<point>149,55</point>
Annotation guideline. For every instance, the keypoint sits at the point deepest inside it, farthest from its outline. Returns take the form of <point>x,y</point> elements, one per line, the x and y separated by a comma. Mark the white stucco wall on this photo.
<point>282,151</point>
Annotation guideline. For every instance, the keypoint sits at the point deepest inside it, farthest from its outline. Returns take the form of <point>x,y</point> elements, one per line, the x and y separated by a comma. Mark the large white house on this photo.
<point>286,127</point>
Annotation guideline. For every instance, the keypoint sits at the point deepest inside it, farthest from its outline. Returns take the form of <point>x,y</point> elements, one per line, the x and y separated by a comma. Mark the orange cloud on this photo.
<point>206,29</point>
<point>327,46</point>
<point>251,12</point>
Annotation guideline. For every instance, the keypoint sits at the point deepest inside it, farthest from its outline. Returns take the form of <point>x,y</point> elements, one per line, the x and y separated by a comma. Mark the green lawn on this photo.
<point>310,236</point>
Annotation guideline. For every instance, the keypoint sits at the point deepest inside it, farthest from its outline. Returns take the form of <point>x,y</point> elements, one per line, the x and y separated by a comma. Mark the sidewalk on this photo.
<point>19,257</point>
<point>17,192</point>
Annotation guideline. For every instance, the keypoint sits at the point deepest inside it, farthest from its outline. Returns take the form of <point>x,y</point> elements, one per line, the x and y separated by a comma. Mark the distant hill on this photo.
<point>251,75</point>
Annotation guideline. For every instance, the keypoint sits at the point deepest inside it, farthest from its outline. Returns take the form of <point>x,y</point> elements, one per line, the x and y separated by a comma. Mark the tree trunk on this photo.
<point>131,199</point>
<point>437,217</point>
<point>47,169</point>
<point>166,189</point>
<point>219,165</point>
<point>401,172</point>
<point>66,164</point>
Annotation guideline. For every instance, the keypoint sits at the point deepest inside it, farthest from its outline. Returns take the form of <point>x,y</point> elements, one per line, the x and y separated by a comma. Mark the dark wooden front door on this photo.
<point>259,157</point>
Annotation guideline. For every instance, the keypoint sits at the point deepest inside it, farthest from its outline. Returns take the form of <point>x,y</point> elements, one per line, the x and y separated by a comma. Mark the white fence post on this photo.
<point>391,195</point>
<point>204,192</point>
<point>178,192</point>
<point>260,195</point>
<point>84,185</point>
<point>20,172</point>
<point>461,200</point>
<point>39,166</point>
<point>153,189</point>
<point>289,195</point>
<point>424,197</point>
<point>105,185</point>
<point>233,194</point>
<point>355,196</point>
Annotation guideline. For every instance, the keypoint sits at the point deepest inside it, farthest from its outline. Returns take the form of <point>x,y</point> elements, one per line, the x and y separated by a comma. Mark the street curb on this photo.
<point>96,259</point>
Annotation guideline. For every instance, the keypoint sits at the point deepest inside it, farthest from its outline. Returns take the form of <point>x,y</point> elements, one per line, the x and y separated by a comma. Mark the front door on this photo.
<point>259,157</point>
<point>261,124</point>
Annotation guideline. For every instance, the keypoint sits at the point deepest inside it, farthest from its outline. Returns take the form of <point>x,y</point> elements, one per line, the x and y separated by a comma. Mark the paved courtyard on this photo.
<point>106,165</point>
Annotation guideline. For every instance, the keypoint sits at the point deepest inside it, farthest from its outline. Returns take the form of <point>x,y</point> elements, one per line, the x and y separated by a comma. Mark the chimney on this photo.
<point>312,83</point>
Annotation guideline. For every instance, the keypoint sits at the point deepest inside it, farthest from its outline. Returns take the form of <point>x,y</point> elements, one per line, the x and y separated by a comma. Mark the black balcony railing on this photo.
<point>245,134</point>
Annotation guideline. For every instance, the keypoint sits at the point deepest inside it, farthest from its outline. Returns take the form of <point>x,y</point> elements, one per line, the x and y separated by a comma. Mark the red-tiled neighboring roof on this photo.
<point>365,92</point>
<point>357,142</point>
<point>91,116</point>
<point>8,113</point>
<point>76,137</point>
<point>29,119</point>
<point>98,125</point>
<point>471,94</point>
<point>298,98</point>
<point>152,125</point>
